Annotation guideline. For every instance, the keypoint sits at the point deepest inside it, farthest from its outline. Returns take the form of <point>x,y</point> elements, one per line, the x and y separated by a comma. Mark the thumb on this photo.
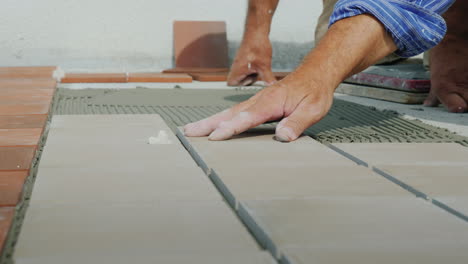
<point>305,115</point>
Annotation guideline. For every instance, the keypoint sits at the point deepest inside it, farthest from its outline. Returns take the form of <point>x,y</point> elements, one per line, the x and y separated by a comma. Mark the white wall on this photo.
<point>133,35</point>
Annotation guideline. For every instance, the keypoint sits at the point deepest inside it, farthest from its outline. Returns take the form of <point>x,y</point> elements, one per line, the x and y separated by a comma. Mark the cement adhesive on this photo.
<point>346,122</point>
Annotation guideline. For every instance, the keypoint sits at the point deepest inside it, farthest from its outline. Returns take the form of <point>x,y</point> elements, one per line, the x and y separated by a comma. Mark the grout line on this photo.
<point>403,185</point>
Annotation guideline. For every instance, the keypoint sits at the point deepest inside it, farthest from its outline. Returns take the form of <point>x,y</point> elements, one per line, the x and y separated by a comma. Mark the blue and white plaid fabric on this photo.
<point>415,25</point>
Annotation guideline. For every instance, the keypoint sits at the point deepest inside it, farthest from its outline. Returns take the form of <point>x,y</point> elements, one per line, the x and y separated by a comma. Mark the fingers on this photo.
<point>454,102</point>
<point>205,126</point>
<point>253,116</point>
<point>305,115</point>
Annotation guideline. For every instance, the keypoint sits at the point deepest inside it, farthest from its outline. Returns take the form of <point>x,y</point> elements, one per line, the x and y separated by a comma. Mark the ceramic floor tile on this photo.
<point>6,218</point>
<point>143,231</point>
<point>407,153</point>
<point>27,72</point>
<point>110,186</point>
<point>261,151</point>
<point>22,121</point>
<point>306,181</point>
<point>200,44</point>
<point>159,77</point>
<point>11,186</point>
<point>94,78</point>
<point>352,224</point>
<point>20,136</point>
<point>25,109</point>
<point>190,70</point>
<point>131,255</point>
<point>16,158</point>
<point>15,93</point>
<point>42,83</point>
<point>321,255</point>
<point>79,154</point>
<point>19,98</point>
<point>447,184</point>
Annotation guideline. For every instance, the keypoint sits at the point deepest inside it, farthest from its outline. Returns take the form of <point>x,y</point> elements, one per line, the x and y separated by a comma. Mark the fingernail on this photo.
<point>285,134</point>
<point>219,134</point>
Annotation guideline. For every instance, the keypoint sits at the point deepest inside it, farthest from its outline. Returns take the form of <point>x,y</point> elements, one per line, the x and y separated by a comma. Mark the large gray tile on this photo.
<point>261,151</point>
<point>109,186</point>
<point>407,153</point>
<point>143,256</point>
<point>107,129</point>
<point>448,184</point>
<point>307,181</point>
<point>352,255</point>
<point>359,224</point>
<point>62,232</point>
<point>103,156</point>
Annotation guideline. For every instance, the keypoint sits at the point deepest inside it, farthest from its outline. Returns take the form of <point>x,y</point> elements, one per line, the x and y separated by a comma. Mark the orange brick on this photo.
<point>20,136</point>
<point>95,78</point>
<point>6,219</point>
<point>27,72</point>
<point>189,70</point>
<point>200,44</point>
<point>25,108</point>
<point>22,121</point>
<point>16,158</point>
<point>11,187</point>
<point>41,83</point>
<point>210,77</point>
<point>159,77</point>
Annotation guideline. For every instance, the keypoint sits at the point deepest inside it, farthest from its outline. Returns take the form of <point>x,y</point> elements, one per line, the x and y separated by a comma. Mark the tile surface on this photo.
<point>25,109</point>
<point>27,72</point>
<point>11,186</point>
<point>261,151</point>
<point>16,158</point>
<point>447,184</point>
<point>104,193</point>
<point>195,70</point>
<point>348,225</point>
<point>94,78</point>
<point>159,77</point>
<point>22,121</point>
<point>306,181</point>
<point>143,231</point>
<point>16,83</point>
<point>20,136</point>
<point>407,153</point>
<point>108,186</point>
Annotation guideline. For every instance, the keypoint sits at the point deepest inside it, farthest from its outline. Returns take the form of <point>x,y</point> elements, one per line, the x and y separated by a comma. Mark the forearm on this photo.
<point>259,17</point>
<point>350,46</point>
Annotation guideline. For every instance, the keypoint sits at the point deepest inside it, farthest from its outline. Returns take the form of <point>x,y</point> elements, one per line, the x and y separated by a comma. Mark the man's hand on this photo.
<point>298,105</point>
<point>253,61</point>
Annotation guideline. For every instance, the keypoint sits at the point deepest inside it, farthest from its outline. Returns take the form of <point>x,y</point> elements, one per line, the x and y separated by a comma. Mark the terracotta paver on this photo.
<point>200,44</point>
<point>25,109</point>
<point>27,72</point>
<point>22,121</point>
<point>6,218</point>
<point>159,77</point>
<point>16,158</point>
<point>20,136</point>
<point>21,83</point>
<point>95,78</point>
<point>210,77</point>
<point>11,186</point>
<point>195,70</point>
